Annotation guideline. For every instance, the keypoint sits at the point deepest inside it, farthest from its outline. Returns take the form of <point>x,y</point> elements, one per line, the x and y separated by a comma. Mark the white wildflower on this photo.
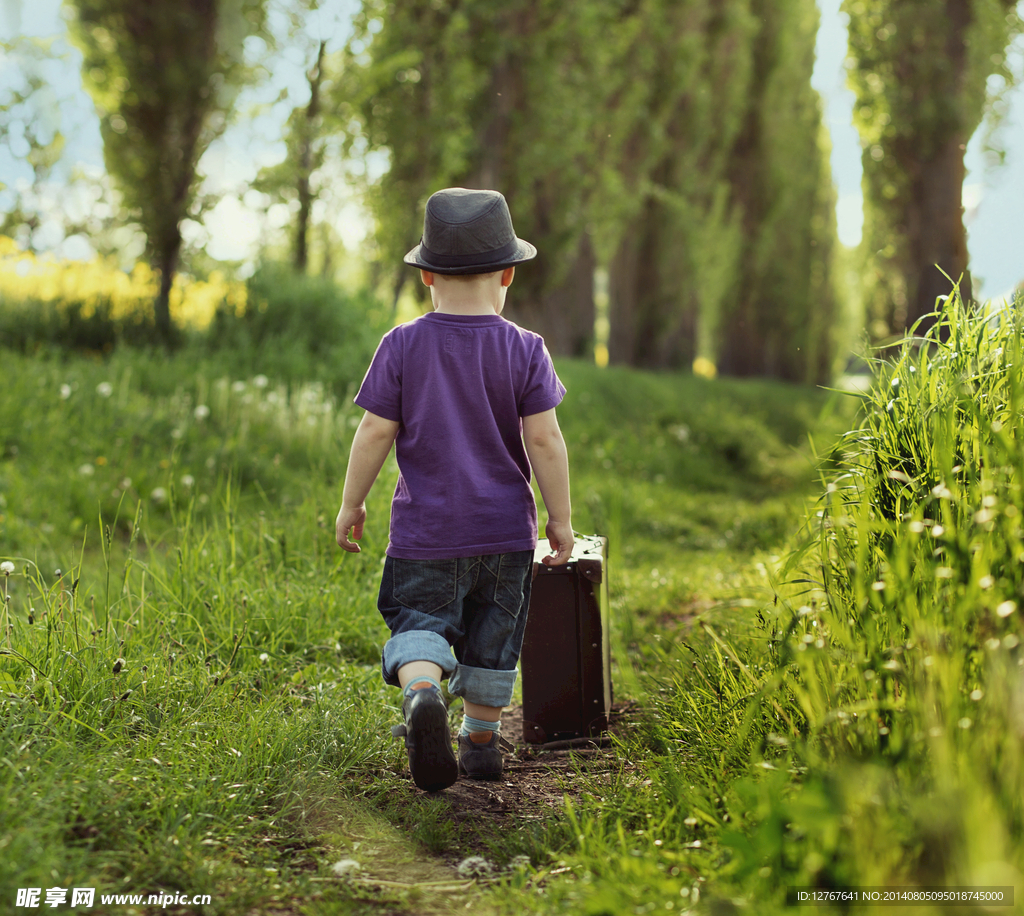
<point>344,868</point>
<point>104,389</point>
<point>7,568</point>
<point>188,481</point>
<point>238,387</point>
<point>1006,608</point>
<point>65,392</point>
<point>264,657</point>
<point>201,412</point>
<point>261,381</point>
<point>159,495</point>
<point>87,470</point>
<point>475,867</point>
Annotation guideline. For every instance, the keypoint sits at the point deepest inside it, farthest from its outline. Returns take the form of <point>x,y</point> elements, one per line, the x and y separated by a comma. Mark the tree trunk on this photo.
<point>564,314</point>
<point>167,262</point>
<point>652,317</point>
<point>315,77</point>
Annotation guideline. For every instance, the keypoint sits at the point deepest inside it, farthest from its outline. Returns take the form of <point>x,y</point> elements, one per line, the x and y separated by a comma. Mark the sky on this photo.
<point>993,197</point>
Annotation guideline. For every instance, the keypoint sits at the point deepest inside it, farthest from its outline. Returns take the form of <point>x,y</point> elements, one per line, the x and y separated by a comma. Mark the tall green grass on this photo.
<point>193,702</point>
<point>866,726</point>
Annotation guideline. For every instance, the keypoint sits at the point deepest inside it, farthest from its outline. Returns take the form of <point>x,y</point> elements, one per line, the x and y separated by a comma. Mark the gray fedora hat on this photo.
<point>468,232</point>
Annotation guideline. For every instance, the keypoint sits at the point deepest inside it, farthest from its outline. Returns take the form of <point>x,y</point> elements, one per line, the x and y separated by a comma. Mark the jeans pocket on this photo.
<point>514,571</point>
<point>425,585</point>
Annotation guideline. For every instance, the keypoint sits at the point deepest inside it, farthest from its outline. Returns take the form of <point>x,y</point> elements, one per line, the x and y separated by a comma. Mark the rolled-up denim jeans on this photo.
<point>473,606</point>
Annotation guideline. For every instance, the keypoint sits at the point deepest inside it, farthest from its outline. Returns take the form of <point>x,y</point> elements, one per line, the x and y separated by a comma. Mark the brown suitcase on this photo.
<point>566,657</point>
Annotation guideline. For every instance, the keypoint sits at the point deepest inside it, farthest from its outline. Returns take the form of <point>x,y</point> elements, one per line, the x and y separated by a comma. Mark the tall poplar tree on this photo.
<point>503,94</point>
<point>920,72</point>
<point>164,77</point>
<point>683,81</point>
<point>780,316</point>
<point>628,136</point>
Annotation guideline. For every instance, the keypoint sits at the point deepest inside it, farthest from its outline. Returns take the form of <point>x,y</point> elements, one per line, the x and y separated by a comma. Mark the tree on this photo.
<point>677,111</point>
<point>489,93</point>
<point>164,77</point>
<point>630,135</point>
<point>919,69</point>
<point>782,310</point>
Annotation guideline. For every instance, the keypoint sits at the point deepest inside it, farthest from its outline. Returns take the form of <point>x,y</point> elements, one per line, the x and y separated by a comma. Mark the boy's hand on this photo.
<point>561,540</point>
<point>347,520</point>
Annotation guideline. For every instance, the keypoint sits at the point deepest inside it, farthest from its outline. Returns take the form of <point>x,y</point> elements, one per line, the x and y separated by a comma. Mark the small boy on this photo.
<point>469,400</point>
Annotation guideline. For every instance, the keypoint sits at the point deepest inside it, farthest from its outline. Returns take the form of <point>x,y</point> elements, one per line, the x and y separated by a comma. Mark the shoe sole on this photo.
<point>485,777</point>
<point>431,760</point>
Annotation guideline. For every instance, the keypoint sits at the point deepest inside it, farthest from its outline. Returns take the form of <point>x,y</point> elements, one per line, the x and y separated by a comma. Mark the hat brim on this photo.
<point>417,257</point>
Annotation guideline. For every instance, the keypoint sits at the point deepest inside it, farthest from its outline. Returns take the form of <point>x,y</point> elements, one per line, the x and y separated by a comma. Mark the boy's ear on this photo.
<point>506,276</point>
<point>427,277</point>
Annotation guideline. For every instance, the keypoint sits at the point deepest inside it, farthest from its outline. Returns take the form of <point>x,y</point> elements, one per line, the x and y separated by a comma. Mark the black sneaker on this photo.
<point>428,740</point>
<point>480,761</point>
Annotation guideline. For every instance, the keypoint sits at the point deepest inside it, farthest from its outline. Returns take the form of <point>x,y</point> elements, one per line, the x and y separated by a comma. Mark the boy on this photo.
<point>469,400</point>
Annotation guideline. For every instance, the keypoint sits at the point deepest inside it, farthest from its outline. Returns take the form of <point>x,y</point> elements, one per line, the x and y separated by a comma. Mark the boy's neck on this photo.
<point>447,308</point>
<point>482,296</point>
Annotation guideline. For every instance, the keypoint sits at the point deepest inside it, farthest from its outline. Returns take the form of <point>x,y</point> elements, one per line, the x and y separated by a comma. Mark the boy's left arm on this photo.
<point>370,446</point>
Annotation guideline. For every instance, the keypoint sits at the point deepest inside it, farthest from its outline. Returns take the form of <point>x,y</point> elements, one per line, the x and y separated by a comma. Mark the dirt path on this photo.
<point>535,780</point>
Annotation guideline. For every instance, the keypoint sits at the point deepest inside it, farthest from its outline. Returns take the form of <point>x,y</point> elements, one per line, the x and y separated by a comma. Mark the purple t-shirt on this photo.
<point>458,385</point>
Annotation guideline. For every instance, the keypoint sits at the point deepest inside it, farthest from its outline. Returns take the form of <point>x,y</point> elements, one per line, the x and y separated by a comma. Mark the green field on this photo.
<point>822,651</point>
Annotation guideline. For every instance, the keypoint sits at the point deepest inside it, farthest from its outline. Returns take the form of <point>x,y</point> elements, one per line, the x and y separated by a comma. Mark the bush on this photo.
<point>94,305</point>
<point>299,328</point>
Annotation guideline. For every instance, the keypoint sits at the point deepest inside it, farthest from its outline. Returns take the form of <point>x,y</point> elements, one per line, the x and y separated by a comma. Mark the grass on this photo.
<point>192,703</point>
<point>864,726</point>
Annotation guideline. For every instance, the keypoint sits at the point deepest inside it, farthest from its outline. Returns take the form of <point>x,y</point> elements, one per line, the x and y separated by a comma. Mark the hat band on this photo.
<point>496,256</point>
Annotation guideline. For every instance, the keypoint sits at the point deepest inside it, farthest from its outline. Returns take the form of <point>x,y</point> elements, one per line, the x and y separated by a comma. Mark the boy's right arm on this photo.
<point>370,446</point>
<point>550,462</point>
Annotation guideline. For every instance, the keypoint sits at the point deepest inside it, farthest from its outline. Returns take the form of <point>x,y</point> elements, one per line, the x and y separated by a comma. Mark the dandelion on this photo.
<point>104,389</point>
<point>261,381</point>
<point>1006,608</point>
<point>916,527</point>
<point>475,867</point>
<point>938,531</point>
<point>345,868</point>
<point>126,483</point>
<point>65,392</point>
<point>7,568</point>
<point>87,470</point>
<point>238,387</point>
<point>264,657</point>
<point>986,582</point>
<point>201,412</point>
<point>188,481</point>
<point>977,694</point>
<point>159,495</point>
